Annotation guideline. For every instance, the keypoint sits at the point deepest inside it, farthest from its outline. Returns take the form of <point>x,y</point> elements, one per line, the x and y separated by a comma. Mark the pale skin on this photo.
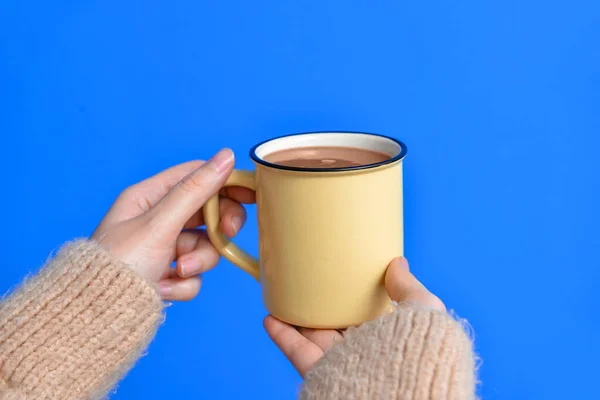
<point>158,221</point>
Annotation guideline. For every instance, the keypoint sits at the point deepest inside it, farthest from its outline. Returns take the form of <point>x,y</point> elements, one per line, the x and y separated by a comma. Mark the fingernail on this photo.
<point>164,289</point>
<point>190,267</point>
<point>402,263</point>
<point>236,224</point>
<point>222,159</point>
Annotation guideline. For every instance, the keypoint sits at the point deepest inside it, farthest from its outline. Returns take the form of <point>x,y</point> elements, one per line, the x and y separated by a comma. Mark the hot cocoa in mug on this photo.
<point>326,157</point>
<point>330,221</point>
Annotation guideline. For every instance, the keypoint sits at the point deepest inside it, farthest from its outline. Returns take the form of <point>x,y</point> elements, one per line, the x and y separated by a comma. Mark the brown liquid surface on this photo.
<point>326,157</point>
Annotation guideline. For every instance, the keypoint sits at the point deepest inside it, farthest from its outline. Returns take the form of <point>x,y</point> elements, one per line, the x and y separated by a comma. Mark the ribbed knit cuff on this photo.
<point>73,330</point>
<point>411,354</point>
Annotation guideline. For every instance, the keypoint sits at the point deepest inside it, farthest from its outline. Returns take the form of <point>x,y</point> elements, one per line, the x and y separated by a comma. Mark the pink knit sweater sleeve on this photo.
<point>74,329</point>
<point>414,353</point>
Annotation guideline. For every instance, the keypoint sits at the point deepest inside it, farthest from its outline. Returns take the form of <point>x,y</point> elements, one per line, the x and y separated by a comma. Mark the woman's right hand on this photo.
<point>156,221</point>
<point>304,347</point>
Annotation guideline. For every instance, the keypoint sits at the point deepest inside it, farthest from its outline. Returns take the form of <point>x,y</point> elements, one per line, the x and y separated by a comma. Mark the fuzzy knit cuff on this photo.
<point>74,329</point>
<point>411,354</point>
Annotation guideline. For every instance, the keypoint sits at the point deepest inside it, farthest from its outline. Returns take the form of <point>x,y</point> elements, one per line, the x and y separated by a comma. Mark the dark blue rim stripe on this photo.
<point>392,160</point>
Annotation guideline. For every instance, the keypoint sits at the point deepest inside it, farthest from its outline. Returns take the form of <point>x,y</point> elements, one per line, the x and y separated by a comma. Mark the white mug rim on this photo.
<point>372,141</point>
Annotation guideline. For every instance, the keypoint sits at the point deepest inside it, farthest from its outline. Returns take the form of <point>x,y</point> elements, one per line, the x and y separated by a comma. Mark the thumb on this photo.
<point>402,286</point>
<point>190,194</point>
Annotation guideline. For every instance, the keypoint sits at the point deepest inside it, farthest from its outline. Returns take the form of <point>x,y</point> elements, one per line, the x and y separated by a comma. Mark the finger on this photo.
<point>180,289</point>
<point>189,195</point>
<point>324,338</point>
<point>399,282</point>
<point>402,286</point>
<point>240,194</point>
<point>195,254</point>
<point>233,217</point>
<point>149,191</point>
<point>301,352</point>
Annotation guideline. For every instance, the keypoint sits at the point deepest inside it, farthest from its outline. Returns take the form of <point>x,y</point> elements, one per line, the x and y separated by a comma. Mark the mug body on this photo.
<point>327,235</point>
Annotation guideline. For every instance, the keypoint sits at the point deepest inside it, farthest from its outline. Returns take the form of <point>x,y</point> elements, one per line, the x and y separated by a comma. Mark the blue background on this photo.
<point>498,101</point>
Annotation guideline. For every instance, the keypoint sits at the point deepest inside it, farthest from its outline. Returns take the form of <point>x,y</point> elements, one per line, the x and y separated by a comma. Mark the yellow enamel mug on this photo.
<point>326,236</point>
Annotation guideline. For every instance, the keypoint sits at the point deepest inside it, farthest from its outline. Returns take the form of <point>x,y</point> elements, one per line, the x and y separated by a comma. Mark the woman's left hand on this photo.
<point>153,223</point>
<point>304,347</point>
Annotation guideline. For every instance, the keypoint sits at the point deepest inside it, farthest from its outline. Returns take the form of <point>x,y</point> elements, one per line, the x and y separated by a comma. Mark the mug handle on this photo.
<point>223,244</point>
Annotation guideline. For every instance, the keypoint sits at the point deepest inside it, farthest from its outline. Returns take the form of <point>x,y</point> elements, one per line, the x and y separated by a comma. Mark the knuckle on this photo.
<point>128,193</point>
<point>231,207</point>
<point>193,182</point>
<point>212,256</point>
<point>241,211</point>
<point>436,303</point>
